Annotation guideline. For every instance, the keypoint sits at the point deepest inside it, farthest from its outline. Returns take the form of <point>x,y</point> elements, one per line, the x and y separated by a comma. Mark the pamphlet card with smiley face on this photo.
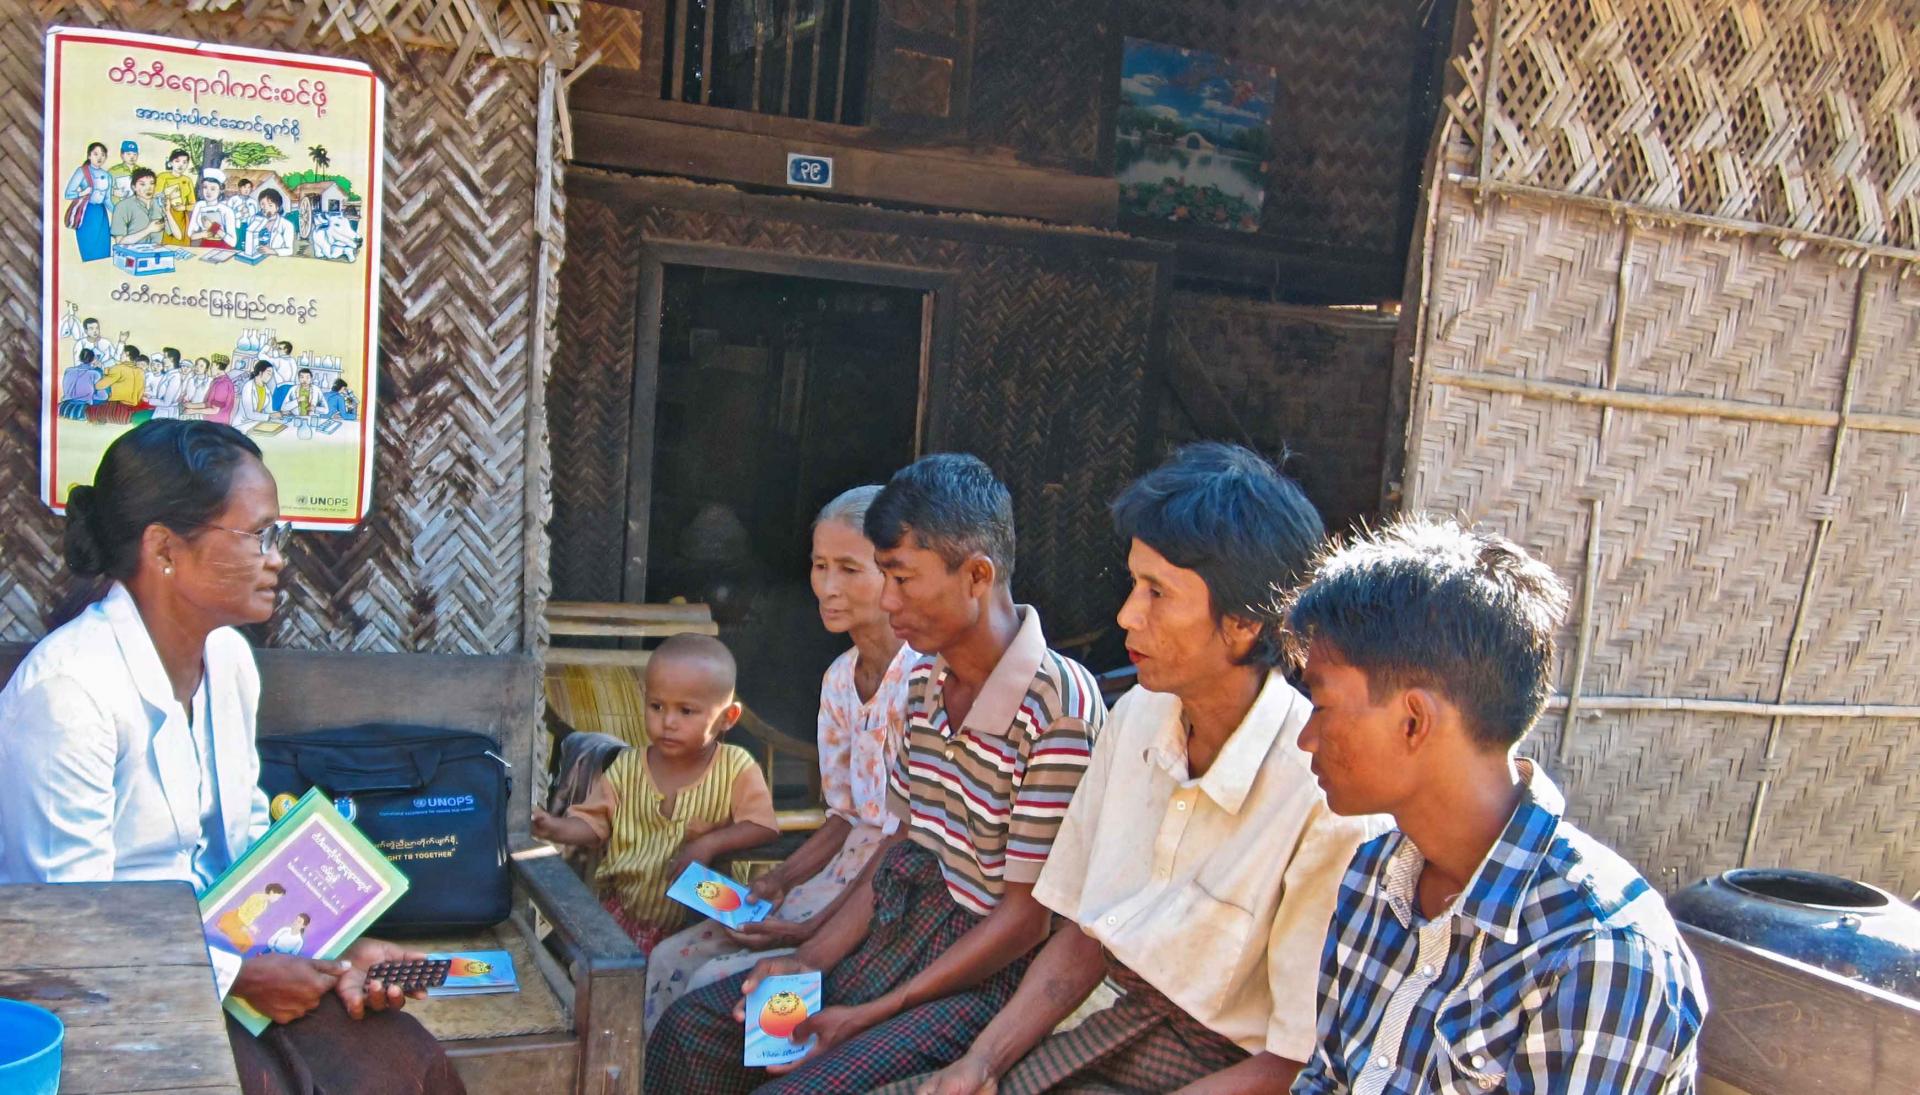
<point>476,973</point>
<point>774,1007</point>
<point>707,891</point>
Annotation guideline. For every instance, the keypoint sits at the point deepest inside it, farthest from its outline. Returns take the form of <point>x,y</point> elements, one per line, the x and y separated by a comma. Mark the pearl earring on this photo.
<point>168,571</point>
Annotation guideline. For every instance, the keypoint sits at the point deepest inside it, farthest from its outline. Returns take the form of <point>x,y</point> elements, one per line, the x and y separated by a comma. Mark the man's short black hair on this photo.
<point>953,505</point>
<point>1429,604</point>
<point>141,173</point>
<point>86,356</point>
<point>1248,531</point>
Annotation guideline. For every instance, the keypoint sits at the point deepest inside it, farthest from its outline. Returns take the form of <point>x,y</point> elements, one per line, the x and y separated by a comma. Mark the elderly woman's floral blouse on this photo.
<point>857,740</point>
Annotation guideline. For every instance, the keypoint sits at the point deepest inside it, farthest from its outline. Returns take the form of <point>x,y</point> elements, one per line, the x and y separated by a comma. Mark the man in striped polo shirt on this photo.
<point>932,943</point>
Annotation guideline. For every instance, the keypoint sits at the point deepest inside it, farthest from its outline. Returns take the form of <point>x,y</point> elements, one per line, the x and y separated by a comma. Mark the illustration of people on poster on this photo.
<point>212,250</point>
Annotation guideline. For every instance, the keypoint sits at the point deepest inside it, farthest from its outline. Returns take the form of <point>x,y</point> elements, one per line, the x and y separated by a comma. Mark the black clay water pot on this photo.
<point>1851,928</point>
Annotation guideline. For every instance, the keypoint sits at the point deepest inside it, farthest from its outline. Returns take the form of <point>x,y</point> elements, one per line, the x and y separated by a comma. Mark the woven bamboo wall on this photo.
<point>1047,377</point>
<point>453,555</point>
<point>1705,414</point>
<point>1708,521</point>
<point>1309,382</point>
<point>1801,114</point>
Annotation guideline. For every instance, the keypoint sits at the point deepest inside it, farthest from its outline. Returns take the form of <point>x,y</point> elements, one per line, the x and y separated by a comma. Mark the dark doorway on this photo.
<point>775,393</point>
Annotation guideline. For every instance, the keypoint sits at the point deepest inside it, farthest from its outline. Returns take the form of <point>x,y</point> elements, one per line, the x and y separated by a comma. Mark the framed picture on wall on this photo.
<point>1193,136</point>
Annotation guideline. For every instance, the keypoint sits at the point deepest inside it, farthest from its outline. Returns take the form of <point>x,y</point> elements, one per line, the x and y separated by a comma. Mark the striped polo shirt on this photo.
<point>987,796</point>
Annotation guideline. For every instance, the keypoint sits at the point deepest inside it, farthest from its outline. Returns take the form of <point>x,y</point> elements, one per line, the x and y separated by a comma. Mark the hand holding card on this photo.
<point>707,891</point>
<point>774,1008</point>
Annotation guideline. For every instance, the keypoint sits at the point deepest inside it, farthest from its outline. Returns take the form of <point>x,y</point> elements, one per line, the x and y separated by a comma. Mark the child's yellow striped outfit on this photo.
<point>632,876</point>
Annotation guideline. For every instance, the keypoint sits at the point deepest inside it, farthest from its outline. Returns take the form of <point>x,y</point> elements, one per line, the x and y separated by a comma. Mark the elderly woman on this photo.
<point>862,704</point>
<point>127,743</point>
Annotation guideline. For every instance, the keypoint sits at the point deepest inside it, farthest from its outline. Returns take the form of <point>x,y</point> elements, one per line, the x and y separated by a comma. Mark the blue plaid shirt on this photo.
<point>1557,970</point>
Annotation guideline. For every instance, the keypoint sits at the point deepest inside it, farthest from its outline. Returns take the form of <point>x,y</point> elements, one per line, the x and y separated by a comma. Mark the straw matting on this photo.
<point>1800,114</point>
<point>1708,519</point>
<point>439,564</point>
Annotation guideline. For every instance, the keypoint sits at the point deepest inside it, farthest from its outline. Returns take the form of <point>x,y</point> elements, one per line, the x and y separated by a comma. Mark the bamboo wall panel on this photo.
<point>1734,318</point>
<point>1704,537</point>
<point>1860,619</point>
<point>1038,80</point>
<point>1709,521</point>
<point>1800,114</point>
<point>440,563</point>
<point>1307,382</point>
<point>1046,380</point>
<point>1867,594</point>
<point>1670,792</point>
<point>1844,801</point>
<point>593,404</point>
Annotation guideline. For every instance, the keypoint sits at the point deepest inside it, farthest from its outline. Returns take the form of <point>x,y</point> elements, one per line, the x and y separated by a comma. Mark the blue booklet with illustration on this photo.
<point>707,891</point>
<point>476,973</point>
<point>774,1008</point>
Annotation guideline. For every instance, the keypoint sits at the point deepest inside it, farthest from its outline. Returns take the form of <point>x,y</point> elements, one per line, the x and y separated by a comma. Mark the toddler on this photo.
<point>685,798</point>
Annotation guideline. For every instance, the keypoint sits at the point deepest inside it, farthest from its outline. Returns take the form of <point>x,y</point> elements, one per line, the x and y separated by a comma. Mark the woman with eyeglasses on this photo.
<point>127,742</point>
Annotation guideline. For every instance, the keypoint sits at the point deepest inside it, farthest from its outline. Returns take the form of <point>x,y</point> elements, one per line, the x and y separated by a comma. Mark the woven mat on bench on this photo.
<point>532,1010</point>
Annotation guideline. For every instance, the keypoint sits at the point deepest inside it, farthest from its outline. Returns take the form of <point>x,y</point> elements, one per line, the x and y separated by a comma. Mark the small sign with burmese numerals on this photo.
<point>805,170</point>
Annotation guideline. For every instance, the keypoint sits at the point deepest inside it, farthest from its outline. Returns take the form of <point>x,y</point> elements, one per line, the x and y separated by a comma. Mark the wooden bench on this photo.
<point>611,620</point>
<point>574,1026</point>
<point>1777,1025</point>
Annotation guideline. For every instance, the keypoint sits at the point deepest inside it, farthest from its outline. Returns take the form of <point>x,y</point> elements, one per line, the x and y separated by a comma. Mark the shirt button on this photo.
<point>1111,919</point>
<point>1479,1060</point>
<point>1180,805</point>
<point>1379,1062</point>
<point>1426,971</point>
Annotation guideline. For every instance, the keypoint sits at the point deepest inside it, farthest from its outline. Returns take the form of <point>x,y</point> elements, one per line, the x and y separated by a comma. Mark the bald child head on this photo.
<point>690,703</point>
<point>700,661</point>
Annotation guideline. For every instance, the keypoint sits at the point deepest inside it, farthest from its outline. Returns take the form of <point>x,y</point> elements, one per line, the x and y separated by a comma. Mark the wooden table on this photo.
<point>125,967</point>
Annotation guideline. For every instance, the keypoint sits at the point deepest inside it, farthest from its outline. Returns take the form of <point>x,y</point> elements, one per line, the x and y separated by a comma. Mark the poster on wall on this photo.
<point>211,250</point>
<point>1193,136</point>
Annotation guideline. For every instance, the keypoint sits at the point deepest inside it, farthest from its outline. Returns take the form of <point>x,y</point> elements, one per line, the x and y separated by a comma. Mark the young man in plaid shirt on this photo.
<point>927,949</point>
<point>1486,944</point>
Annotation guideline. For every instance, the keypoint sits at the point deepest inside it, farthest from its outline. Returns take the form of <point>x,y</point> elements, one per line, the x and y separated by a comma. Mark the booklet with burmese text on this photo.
<point>308,887</point>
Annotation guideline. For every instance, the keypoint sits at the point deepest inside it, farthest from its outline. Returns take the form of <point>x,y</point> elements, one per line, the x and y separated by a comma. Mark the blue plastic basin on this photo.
<point>30,1039</point>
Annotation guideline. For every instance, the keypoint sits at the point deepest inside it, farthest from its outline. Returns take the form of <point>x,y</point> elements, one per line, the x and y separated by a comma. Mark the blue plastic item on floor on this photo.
<point>30,1039</point>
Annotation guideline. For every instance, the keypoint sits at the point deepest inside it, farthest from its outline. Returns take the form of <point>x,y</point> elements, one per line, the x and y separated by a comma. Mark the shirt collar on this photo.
<point>1276,716</point>
<point>136,646</point>
<point>1497,892</point>
<point>1007,686</point>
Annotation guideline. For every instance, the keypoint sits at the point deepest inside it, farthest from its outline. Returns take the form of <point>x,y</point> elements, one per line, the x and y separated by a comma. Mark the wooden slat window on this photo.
<point>795,58</point>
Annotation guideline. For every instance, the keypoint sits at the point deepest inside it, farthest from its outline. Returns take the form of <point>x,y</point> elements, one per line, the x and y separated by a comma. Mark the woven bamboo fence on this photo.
<point>453,557</point>
<point>1669,338</point>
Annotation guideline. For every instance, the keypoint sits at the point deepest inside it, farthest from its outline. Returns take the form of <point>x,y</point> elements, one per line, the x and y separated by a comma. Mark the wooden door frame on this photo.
<point>938,314</point>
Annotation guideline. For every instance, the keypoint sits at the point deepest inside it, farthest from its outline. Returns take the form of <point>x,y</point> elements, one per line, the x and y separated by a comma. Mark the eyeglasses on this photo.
<point>272,538</point>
